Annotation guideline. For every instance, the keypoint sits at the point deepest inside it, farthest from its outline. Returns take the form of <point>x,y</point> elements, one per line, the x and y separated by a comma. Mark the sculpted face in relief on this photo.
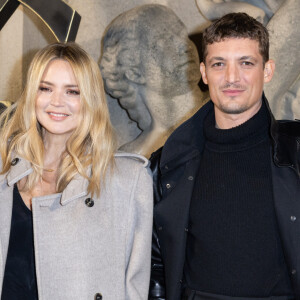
<point>151,66</point>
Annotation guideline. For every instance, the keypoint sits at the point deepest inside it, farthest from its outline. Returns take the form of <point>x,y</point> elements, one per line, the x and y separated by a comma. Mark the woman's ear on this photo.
<point>269,70</point>
<point>135,75</point>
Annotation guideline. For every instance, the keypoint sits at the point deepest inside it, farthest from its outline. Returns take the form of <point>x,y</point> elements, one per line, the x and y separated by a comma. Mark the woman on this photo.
<point>75,218</point>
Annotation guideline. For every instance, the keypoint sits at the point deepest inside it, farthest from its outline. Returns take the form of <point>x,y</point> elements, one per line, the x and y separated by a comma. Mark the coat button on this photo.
<point>160,228</point>
<point>186,229</point>
<point>190,178</point>
<point>293,218</point>
<point>98,296</point>
<point>168,185</point>
<point>294,272</point>
<point>89,202</point>
<point>15,161</point>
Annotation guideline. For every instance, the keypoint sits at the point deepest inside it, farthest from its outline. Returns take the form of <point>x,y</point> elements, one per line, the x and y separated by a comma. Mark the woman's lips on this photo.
<point>57,116</point>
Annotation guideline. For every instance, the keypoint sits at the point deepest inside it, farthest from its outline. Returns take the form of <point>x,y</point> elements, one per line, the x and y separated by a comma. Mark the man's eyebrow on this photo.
<point>248,57</point>
<point>219,58</point>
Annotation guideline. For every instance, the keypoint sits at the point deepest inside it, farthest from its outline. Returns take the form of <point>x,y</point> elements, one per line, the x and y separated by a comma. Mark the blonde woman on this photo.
<point>75,218</point>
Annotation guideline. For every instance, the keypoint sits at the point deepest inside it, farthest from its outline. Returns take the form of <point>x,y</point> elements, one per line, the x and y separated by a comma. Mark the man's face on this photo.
<point>171,60</point>
<point>235,75</point>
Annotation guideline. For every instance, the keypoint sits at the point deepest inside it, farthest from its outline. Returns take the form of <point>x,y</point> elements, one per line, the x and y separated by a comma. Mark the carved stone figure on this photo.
<point>151,66</point>
<point>283,22</point>
<point>262,10</point>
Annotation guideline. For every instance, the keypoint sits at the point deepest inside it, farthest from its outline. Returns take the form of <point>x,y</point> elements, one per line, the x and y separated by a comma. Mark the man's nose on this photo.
<point>232,73</point>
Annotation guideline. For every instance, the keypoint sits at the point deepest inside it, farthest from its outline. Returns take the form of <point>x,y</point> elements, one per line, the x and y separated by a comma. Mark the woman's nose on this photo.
<point>56,99</point>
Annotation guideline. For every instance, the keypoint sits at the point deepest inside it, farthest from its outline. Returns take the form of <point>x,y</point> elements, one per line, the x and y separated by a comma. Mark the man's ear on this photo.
<point>269,70</point>
<point>135,75</point>
<point>203,72</point>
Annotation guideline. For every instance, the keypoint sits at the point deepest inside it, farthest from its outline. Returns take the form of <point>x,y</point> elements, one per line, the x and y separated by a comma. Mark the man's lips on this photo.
<point>233,92</point>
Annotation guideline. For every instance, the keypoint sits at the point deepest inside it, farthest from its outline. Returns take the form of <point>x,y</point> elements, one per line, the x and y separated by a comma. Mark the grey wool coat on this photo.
<point>85,248</point>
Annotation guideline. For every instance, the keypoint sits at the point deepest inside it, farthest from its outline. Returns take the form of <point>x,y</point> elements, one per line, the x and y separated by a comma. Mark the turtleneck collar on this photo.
<point>242,137</point>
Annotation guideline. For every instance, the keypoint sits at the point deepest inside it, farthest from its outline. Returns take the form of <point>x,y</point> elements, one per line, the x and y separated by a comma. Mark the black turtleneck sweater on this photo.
<point>233,245</point>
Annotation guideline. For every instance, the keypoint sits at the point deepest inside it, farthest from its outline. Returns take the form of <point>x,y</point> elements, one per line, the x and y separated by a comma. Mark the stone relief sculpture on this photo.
<point>283,21</point>
<point>262,10</point>
<point>151,66</point>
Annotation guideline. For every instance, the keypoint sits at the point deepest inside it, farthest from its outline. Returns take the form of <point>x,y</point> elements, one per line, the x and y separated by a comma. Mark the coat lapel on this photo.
<point>17,171</point>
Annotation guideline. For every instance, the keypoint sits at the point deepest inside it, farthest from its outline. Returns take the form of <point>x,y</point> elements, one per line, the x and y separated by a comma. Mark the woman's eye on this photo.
<point>73,92</point>
<point>44,89</point>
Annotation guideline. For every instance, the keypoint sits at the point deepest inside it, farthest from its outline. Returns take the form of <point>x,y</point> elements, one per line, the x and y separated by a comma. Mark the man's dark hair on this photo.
<point>237,25</point>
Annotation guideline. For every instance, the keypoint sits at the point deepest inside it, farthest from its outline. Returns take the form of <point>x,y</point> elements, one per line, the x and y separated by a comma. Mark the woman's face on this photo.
<point>58,100</point>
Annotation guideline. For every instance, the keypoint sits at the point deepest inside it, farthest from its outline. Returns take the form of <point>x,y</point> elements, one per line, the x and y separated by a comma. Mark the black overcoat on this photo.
<point>175,167</point>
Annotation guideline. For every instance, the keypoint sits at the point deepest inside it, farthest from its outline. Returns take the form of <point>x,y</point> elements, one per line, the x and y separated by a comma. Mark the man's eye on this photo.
<point>218,64</point>
<point>247,63</point>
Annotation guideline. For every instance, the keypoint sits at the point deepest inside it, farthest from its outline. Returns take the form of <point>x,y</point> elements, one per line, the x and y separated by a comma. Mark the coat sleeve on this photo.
<point>138,251</point>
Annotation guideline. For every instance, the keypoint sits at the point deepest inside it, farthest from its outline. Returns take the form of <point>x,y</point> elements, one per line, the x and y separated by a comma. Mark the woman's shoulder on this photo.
<point>131,166</point>
<point>131,176</point>
<point>131,159</point>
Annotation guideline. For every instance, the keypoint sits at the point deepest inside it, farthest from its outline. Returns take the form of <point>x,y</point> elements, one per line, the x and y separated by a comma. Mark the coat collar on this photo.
<point>286,143</point>
<point>188,141</point>
<point>75,189</point>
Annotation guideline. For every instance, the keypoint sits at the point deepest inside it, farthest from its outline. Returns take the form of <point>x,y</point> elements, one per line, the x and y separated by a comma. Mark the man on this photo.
<point>284,38</point>
<point>227,182</point>
<point>151,66</point>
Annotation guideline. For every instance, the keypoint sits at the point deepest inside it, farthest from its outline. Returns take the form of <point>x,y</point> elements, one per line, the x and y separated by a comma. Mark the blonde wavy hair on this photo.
<point>91,144</point>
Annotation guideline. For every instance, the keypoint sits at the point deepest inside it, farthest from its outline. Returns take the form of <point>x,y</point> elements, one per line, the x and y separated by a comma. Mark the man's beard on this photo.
<point>240,108</point>
<point>233,110</point>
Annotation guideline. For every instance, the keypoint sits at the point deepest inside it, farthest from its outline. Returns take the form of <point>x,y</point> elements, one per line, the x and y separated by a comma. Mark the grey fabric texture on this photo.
<point>83,250</point>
